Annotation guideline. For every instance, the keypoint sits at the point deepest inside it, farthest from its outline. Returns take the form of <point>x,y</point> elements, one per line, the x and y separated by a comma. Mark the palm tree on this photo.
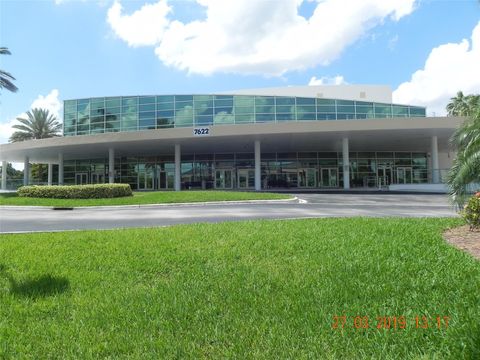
<point>466,166</point>
<point>458,105</point>
<point>5,77</point>
<point>39,124</point>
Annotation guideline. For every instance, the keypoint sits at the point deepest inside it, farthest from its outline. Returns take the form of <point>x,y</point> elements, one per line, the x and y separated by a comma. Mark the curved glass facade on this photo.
<point>135,113</point>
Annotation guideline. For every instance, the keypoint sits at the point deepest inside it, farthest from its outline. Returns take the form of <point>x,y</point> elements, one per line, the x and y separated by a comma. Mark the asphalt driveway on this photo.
<point>26,219</point>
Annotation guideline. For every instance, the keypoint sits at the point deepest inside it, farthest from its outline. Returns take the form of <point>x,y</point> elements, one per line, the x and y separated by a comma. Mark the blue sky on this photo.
<point>63,49</point>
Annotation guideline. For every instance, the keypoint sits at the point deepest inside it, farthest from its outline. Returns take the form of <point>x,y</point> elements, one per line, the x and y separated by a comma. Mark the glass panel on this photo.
<point>165,99</point>
<point>326,109</point>
<point>70,105</point>
<point>264,109</point>
<point>400,111</point>
<point>129,121</point>
<point>165,106</point>
<point>147,115</point>
<point>113,102</point>
<point>265,117</point>
<point>285,100</point>
<point>417,111</point>
<point>285,117</point>
<point>383,111</point>
<point>305,101</point>
<point>204,120</point>
<point>183,98</point>
<point>264,100</point>
<point>147,107</point>
<point>146,100</point>
<point>129,101</point>
<point>324,102</point>
<point>244,110</point>
<point>183,121</point>
<point>244,101</point>
<point>224,118</point>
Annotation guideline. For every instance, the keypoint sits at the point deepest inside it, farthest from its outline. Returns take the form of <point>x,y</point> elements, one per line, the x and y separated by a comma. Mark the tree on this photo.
<point>466,166</point>
<point>5,77</point>
<point>462,105</point>
<point>39,124</point>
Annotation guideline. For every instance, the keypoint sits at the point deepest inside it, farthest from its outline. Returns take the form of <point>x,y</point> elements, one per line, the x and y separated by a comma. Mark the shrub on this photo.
<point>471,212</point>
<point>76,191</point>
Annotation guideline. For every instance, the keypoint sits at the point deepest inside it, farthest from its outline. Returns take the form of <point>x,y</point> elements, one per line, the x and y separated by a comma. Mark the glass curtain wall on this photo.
<point>236,170</point>
<point>137,113</point>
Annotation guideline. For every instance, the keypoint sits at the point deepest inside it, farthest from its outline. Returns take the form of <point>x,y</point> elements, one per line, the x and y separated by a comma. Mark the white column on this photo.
<point>4,175</point>
<point>177,167</point>
<point>434,152</point>
<point>346,164</point>
<point>26,171</point>
<point>50,174</point>
<point>60,169</point>
<point>258,171</point>
<point>111,166</point>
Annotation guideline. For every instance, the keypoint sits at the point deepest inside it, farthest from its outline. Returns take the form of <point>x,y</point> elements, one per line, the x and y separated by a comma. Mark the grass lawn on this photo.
<point>259,289</point>
<point>156,197</point>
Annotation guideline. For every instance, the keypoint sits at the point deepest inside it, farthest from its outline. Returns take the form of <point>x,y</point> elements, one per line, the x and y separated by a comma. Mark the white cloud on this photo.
<point>325,80</point>
<point>449,68</point>
<point>144,27</point>
<point>50,102</point>
<point>253,37</point>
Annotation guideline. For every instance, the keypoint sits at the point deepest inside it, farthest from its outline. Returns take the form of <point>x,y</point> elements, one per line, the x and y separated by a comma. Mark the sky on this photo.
<point>425,50</point>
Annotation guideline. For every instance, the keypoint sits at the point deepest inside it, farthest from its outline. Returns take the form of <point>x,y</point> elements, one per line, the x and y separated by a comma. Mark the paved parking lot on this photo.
<point>13,219</point>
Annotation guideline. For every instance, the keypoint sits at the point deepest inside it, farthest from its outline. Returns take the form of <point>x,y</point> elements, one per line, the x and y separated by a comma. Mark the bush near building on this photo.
<point>471,212</point>
<point>76,192</point>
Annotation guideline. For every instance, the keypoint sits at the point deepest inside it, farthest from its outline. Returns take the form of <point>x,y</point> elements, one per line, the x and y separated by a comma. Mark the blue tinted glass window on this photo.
<point>146,107</point>
<point>129,101</point>
<point>244,101</point>
<point>323,102</point>
<point>183,105</point>
<point>165,106</point>
<point>326,116</point>
<point>165,113</point>
<point>285,109</point>
<point>264,109</point>
<point>285,101</point>
<point>244,118</point>
<point>223,110</point>
<point>285,117</point>
<point>417,111</point>
<point>305,101</point>
<point>113,102</point>
<point>147,115</point>
<point>264,100</point>
<point>306,116</point>
<point>183,97</point>
<point>146,100</point>
<point>204,120</point>
<point>244,110</point>
<point>165,98</point>
<point>224,102</point>
<point>265,117</point>
<point>203,111</point>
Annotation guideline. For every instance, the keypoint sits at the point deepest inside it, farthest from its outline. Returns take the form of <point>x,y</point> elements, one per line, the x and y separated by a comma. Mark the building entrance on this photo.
<point>404,175</point>
<point>246,178</point>
<point>81,178</point>
<point>98,178</point>
<point>307,178</point>
<point>223,179</point>
<point>329,177</point>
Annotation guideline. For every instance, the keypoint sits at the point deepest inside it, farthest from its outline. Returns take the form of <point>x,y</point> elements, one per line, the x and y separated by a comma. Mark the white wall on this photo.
<point>375,93</point>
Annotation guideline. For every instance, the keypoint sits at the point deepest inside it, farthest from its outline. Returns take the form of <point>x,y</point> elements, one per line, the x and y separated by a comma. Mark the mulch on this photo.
<point>464,239</point>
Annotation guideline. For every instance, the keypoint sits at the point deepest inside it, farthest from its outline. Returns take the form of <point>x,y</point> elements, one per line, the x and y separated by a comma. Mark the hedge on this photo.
<point>97,191</point>
<point>471,212</point>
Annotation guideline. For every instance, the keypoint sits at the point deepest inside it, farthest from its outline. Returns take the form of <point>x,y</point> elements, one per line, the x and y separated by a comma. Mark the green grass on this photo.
<point>262,289</point>
<point>156,197</point>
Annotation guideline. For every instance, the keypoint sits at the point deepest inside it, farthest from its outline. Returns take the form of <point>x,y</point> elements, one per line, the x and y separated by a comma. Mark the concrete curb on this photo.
<point>106,207</point>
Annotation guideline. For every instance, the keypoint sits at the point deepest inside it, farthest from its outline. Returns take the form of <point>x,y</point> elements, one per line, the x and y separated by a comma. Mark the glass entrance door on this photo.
<point>145,179</point>
<point>223,179</point>
<point>404,175</point>
<point>246,179</point>
<point>166,180</point>
<point>329,177</point>
<point>384,175</point>
<point>307,178</point>
<point>81,178</point>
<point>98,178</point>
